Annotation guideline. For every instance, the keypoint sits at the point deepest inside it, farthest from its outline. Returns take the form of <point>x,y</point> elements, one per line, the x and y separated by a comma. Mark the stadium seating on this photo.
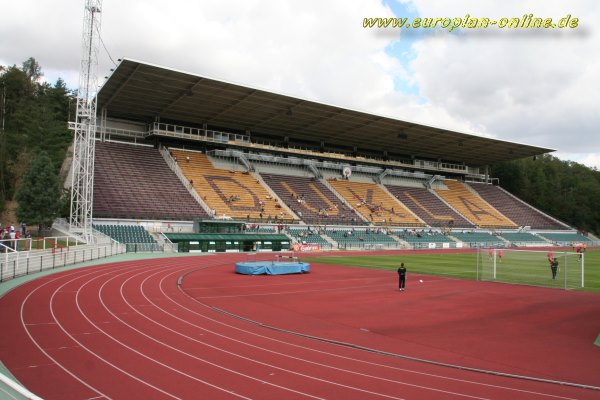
<point>522,237</point>
<point>374,203</point>
<point>429,207</point>
<point>231,194</point>
<point>260,229</point>
<point>311,200</point>
<point>361,238</point>
<point>479,239</point>
<point>304,236</point>
<point>424,237</point>
<point>134,182</point>
<point>519,212</point>
<point>566,239</point>
<point>473,207</point>
<point>134,236</point>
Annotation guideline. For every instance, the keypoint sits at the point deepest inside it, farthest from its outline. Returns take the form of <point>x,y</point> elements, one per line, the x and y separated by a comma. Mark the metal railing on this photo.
<point>32,244</point>
<point>18,263</point>
<point>186,132</point>
<point>348,245</point>
<point>144,247</point>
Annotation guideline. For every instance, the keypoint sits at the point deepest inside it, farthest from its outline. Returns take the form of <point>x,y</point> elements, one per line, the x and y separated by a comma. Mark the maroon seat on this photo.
<point>311,200</point>
<point>519,212</point>
<point>428,207</point>
<point>135,182</point>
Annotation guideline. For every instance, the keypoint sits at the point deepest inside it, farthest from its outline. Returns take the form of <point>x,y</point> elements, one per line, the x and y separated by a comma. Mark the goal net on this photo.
<point>531,267</point>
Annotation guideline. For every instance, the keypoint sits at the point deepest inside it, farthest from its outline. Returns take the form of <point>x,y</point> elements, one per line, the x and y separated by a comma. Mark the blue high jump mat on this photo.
<point>271,267</point>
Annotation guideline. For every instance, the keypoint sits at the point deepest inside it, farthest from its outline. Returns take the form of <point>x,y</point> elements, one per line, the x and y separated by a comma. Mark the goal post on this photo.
<point>531,267</point>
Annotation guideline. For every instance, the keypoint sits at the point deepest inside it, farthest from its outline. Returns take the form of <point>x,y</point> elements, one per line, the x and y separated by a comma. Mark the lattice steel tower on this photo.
<point>82,183</point>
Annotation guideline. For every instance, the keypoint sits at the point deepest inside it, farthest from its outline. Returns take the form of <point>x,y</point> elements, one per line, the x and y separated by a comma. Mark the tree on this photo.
<point>39,194</point>
<point>32,69</point>
<point>35,115</point>
<point>563,189</point>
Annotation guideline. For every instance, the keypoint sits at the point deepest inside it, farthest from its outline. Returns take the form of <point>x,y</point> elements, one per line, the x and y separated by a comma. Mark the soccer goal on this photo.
<point>531,267</point>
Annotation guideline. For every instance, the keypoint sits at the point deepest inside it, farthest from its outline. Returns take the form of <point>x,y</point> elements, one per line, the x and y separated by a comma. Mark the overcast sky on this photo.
<point>533,86</point>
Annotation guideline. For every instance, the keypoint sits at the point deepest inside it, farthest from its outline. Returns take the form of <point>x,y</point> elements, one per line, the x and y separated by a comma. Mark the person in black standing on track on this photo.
<point>402,277</point>
<point>554,267</point>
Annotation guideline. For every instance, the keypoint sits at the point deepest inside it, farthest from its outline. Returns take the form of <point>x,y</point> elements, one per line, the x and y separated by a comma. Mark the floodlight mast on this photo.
<point>82,182</point>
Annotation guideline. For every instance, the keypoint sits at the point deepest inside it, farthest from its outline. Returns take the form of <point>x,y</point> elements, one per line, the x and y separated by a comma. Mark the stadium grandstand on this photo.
<point>174,148</point>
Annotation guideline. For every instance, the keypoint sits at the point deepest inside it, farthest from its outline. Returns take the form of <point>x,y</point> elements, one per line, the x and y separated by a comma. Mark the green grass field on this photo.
<point>464,266</point>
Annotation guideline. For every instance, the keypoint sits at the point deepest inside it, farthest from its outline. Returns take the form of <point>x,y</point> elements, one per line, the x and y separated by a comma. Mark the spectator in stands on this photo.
<point>554,267</point>
<point>402,277</point>
<point>12,236</point>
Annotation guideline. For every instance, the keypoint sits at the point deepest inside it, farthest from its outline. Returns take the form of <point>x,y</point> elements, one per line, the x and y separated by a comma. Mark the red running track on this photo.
<point>128,331</point>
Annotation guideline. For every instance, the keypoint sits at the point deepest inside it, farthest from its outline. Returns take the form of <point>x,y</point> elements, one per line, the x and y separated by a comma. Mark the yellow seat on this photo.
<point>472,206</point>
<point>374,203</point>
<point>236,194</point>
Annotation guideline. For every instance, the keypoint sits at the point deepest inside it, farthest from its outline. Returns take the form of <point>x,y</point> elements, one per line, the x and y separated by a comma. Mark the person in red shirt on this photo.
<point>550,257</point>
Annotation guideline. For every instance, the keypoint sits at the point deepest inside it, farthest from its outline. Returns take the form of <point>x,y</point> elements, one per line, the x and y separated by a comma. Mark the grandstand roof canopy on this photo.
<point>143,92</point>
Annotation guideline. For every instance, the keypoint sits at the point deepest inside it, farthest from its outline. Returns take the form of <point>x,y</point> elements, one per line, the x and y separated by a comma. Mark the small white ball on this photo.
<point>421,280</point>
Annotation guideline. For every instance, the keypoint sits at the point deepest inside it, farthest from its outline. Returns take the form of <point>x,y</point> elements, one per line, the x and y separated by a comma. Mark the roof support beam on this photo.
<point>186,93</point>
<point>232,105</point>
<point>123,85</point>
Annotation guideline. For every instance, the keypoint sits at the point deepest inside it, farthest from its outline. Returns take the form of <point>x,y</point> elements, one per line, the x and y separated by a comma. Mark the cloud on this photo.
<point>309,49</point>
<point>539,88</point>
<point>592,160</point>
